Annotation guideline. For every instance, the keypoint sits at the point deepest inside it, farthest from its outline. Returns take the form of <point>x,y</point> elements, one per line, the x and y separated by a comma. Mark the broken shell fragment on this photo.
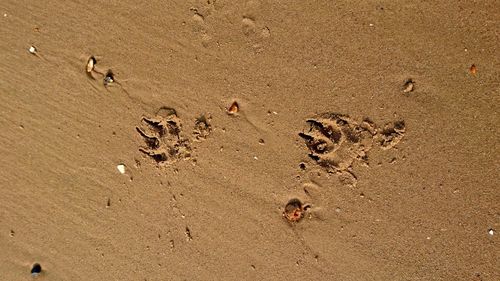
<point>32,50</point>
<point>408,86</point>
<point>234,108</point>
<point>90,64</point>
<point>473,69</point>
<point>294,210</point>
<point>121,168</point>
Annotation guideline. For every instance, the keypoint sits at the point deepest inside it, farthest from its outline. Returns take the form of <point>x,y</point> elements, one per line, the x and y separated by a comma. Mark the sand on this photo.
<point>369,113</point>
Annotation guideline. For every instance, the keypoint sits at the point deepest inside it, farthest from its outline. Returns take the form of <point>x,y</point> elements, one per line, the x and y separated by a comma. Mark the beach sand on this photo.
<point>379,117</point>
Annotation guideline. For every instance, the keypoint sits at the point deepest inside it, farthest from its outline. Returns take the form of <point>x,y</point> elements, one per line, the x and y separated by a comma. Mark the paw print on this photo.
<point>163,138</point>
<point>335,141</point>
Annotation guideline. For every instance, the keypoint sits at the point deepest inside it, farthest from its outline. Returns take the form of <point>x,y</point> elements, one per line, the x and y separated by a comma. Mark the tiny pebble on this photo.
<point>491,231</point>
<point>32,50</point>
<point>121,168</point>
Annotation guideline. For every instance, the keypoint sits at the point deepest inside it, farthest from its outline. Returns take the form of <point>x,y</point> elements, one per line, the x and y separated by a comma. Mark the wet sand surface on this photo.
<point>379,117</point>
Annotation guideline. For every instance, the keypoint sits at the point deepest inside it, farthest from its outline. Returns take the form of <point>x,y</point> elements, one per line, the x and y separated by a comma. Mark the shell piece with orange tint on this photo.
<point>294,210</point>
<point>234,108</point>
<point>473,69</point>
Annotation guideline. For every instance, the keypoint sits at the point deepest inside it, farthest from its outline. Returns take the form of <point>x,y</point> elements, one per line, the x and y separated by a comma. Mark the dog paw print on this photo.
<point>335,141</point>
<point>163,138</point>
<point>202,127</point>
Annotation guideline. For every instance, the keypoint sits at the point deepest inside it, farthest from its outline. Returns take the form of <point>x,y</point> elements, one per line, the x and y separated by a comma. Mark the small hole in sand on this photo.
<point>36,269</point>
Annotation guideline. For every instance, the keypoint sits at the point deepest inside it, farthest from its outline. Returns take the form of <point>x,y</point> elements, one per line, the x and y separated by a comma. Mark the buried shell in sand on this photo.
<point>409,86</point>
<point>91,64</point>
<point>108,78</point>
<point>234,108</point>
<point>32,50</point>
<point>294,210</point>
<point>121,168</point>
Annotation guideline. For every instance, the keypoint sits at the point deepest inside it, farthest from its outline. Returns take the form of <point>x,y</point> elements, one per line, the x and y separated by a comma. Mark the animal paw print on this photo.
<point>392,134</point>
<point>164,140</point>
<point>202,127</point>
<point>162,134</point>
<point>335,141</point>
<point>200,25</point>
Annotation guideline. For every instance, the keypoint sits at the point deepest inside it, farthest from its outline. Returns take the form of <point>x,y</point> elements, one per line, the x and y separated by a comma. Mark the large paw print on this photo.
<point>335,141</point>
<point>162,134</point>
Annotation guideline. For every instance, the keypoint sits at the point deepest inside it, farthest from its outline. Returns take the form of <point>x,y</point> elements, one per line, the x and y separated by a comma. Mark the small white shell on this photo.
<point>32,50</point>
<point>121,168</point>
<point>90,64</point>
